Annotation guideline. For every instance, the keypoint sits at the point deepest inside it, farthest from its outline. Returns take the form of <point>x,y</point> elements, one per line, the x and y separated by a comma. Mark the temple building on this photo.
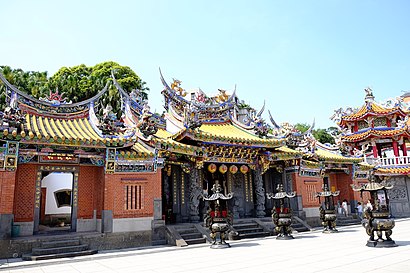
<point>379,133</point>
<point>76,168</point>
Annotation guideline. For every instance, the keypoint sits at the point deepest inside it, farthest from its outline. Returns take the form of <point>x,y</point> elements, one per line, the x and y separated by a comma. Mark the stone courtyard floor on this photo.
<point>308,252</point>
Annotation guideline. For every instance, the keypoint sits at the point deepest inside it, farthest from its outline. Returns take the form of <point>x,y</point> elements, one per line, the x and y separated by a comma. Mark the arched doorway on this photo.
<point>56,199</point>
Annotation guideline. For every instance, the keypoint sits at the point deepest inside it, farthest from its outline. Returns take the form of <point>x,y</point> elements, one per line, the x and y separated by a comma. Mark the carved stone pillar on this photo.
<point>195,193</point>
<point>260,193</point>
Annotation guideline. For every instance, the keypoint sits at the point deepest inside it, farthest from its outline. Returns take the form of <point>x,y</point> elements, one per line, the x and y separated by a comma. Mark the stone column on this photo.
<point>260,193</point>
<point>195,192</point>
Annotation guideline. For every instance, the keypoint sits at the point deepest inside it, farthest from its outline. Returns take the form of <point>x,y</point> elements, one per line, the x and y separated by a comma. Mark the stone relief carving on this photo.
<point>195,193</point>
<point>260,194</point>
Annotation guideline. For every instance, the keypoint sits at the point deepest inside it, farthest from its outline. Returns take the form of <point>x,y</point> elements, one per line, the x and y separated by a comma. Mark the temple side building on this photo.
<point>379,133</point>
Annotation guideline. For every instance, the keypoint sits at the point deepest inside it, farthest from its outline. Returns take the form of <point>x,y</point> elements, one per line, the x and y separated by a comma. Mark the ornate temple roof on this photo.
<point>369,109</point>
<point>140,151</point>
<point>53,122</point>
<point>227,133</point>
<point>386,132</point>
<point>393,170</point>
<point>163,140</point>
<point>329,156</point>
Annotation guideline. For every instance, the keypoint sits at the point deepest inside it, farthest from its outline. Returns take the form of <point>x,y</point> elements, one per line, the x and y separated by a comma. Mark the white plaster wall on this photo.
<point>132,224</point>
<point>54,182</point>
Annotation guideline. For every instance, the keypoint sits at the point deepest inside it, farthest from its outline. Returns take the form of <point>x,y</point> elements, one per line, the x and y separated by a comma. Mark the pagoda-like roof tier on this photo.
<point>382,132</point>
<point>371,109</point>
<point>227,133</point>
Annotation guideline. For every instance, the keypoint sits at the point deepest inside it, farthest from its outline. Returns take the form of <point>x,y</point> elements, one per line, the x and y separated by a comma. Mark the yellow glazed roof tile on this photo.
<point>370,108</point>
<point>229,132</point>
<point>330,156</point>
<point>373,132</point>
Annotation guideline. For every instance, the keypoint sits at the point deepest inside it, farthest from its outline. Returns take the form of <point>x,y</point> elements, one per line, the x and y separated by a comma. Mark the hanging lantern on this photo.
<point>233,169</point>
<point>244,169</point>
<point>223,168</point>
<point>212,168</point>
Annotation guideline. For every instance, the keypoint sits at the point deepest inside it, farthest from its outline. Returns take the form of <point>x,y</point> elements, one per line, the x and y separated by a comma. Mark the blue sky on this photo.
<point>305,58</point>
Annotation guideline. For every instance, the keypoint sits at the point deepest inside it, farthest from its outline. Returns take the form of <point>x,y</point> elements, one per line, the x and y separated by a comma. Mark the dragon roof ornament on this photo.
<point>199,108</point>
<point>259,125</point>
<point>295,139</point>
<point>55,98</point>
<point>142,118</point>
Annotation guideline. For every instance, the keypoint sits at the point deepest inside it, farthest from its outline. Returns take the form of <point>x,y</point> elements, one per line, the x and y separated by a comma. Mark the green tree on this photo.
<point>30,82</point>
<point>322,135</point>
<point>80,82</point>
<point>76,83</point>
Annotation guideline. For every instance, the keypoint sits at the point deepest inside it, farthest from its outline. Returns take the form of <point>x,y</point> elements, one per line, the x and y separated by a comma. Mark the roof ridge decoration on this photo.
<point>294,138</point>
<point>55,99</point>
<point>259,125</point>
<point>137,112</point>
<point>47,107</point>
<point>109,124</point>
<point>200,108</point>
<point>369,108</point>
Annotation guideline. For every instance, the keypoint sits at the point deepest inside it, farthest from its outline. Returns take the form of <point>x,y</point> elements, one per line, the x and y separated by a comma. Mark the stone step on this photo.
<point>249,230</point>
<point>54,244</point>
<point>159,242</point>
<point>187,231</point>
<point>31,257</point>
<point>195,241</point>
<point>188,236</point>
<point>254,235</point>
<point>57,250</point>
<point>245,225</point>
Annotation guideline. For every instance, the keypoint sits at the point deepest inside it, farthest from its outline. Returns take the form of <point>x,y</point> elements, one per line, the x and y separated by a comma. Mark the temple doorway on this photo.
<point>56,204</point>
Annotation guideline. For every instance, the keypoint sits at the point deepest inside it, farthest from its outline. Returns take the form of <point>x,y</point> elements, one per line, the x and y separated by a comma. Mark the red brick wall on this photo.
<point>114,193</point>
<point>24,194</point>
<point>307,187</point>
<point>366,195</point>
<point>90,191</point>
<point>342,182</point>
<point>7,187</point>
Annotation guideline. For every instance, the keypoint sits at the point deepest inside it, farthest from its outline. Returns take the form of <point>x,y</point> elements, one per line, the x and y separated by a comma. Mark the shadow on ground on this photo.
<point>244,244</point>
<point>402,243</point>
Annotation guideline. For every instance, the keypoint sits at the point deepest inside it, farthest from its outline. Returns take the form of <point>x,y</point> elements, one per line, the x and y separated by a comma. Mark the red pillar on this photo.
<point>404,148</point>
<point>396,151</point>
<point>375,153</point>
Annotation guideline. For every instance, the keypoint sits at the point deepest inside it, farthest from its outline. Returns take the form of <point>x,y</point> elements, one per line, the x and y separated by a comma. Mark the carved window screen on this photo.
<point>380,122</point>
<point>134,195</point>
<point>362,124</point>
<point>311,190</point>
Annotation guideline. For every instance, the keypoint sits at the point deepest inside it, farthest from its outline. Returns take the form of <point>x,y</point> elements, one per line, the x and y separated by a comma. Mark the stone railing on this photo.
<point>389,161</point>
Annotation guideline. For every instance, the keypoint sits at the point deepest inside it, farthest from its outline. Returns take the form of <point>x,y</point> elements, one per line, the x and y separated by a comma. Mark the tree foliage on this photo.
<point>31,82</point>
<point>77,83</point>
<point>322,135</point>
